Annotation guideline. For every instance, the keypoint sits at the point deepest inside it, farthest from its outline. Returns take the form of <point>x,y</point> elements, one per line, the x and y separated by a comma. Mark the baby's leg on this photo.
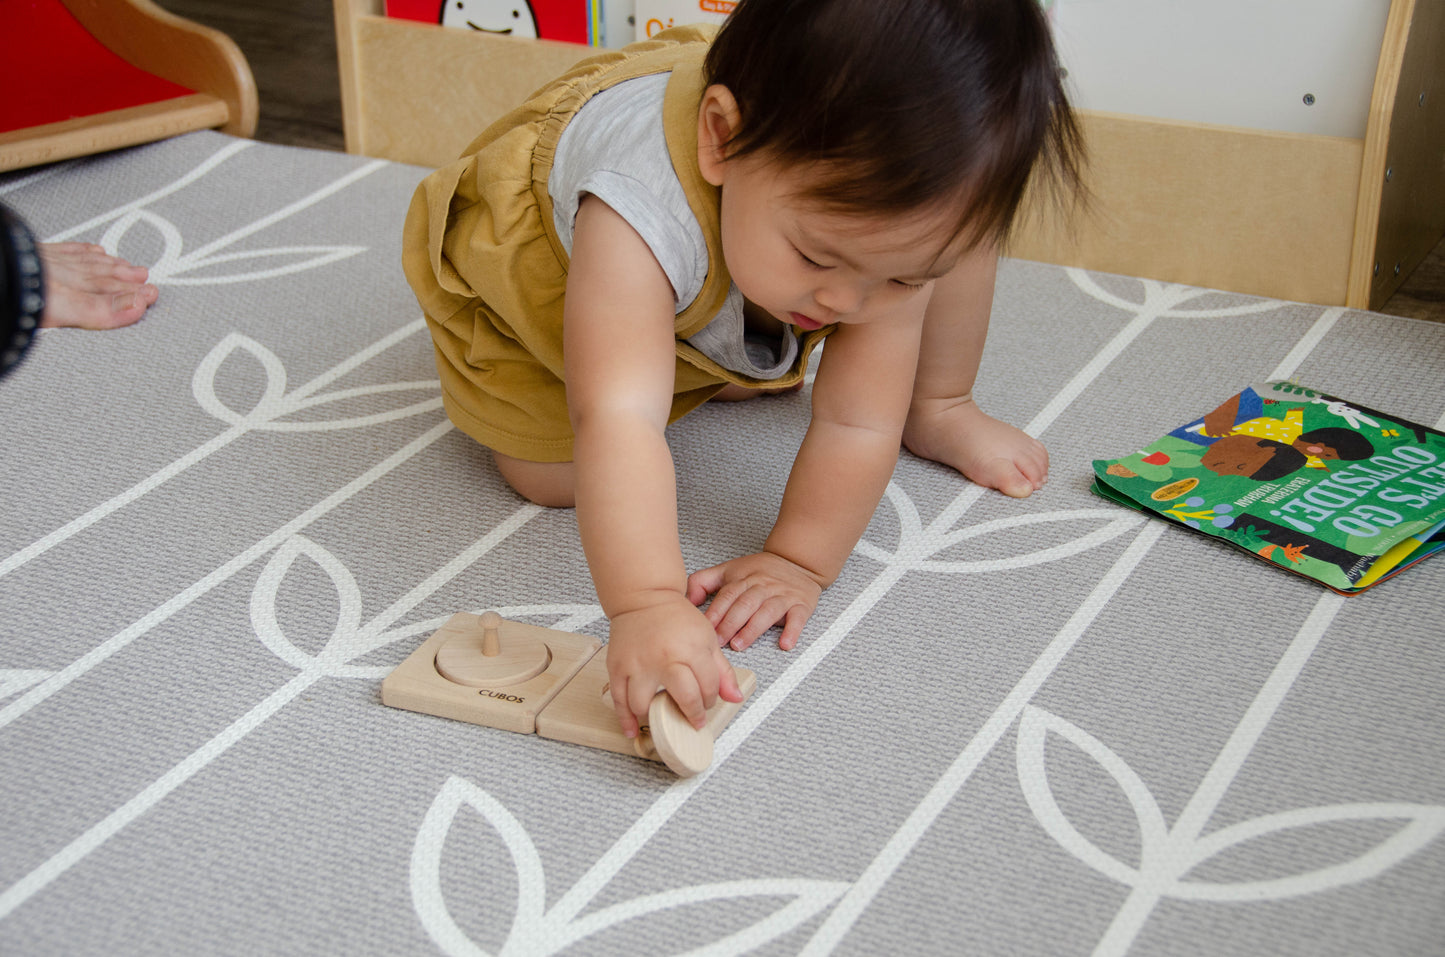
<point>552,484</point>
<point>87,288</point>
<point>944,423</point>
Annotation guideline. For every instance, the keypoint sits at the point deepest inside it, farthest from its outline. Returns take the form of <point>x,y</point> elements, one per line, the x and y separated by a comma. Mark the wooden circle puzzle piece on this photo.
<point>670,738</point>
<point>483,658</point>
<point>684,749</point>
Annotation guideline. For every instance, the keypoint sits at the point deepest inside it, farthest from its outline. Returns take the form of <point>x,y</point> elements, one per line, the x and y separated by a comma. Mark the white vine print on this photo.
<point>1168,854</point>
<point>176,267</point>
<point>338,657</point>
<point>920,547</point>
<point>280,408</point>
<point>534,930</point>
<point>941,545</point>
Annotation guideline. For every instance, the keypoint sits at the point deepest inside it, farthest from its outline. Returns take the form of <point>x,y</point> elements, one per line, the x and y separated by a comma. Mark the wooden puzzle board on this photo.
<point>469,669</point>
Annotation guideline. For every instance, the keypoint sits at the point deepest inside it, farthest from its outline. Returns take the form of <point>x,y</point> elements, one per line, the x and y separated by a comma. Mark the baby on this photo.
<point>690,216</point>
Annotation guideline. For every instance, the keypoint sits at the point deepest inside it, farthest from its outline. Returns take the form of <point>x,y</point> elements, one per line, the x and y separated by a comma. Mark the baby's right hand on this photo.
<point>669,646</point>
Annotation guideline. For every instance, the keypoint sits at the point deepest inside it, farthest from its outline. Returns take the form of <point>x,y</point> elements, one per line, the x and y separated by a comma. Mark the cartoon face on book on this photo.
<point>510,17</point>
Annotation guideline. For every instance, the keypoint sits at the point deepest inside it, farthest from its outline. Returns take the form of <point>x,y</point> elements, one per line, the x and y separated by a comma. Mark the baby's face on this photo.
<point>810,267</point>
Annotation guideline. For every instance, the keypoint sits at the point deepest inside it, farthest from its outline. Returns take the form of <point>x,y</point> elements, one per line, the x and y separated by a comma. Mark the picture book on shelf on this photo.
<point>1311,482</point>
<point>575,21</point>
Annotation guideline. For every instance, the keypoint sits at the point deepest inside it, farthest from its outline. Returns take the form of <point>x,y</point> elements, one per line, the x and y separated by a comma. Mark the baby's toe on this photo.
<point>1004,475</point>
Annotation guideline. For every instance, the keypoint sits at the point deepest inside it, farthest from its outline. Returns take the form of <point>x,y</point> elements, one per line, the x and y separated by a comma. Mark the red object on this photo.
<point>427,11</point>
<point>556,19</point>
<point>52,69</point>
<point>1157,458</point>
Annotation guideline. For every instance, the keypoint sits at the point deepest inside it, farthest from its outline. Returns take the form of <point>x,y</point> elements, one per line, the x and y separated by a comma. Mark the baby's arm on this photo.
<point>945,424</point>
<point>620,353</point>
<point>860,401</point>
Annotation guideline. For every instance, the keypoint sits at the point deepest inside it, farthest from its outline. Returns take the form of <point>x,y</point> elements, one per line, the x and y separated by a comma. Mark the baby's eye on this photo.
<point>804,257</point>
<point>911,286</point>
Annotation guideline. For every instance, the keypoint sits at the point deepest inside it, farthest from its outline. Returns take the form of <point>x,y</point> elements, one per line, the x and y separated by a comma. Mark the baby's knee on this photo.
<point>550,484</point>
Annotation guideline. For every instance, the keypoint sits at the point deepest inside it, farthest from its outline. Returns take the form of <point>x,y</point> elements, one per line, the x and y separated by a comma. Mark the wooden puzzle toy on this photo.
<point>488,670</point>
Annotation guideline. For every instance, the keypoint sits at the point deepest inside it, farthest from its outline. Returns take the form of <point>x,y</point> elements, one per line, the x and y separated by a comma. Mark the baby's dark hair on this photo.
<point>903,104</point>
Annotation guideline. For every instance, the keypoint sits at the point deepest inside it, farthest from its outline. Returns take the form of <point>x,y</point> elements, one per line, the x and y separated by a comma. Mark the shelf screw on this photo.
<point>1309,99</point>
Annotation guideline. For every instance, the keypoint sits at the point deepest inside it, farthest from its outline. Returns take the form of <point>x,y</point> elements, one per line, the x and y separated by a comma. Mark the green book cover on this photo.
<point>1328,489</point>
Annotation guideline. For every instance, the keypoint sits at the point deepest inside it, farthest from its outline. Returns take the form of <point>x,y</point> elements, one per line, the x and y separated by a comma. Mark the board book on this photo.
<point>1323,487</point>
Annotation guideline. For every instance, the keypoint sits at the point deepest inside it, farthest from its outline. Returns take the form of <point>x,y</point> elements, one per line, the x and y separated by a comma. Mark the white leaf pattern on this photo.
<point>203,382</point>
<point>533,932</point>
<point>339,648</point>
<point>1168,855</point>
<point>276,403</point>
<point>1422,823</point>
<point>300,258</point>
<point>160,266</point>
<point>918,545</point>
<point>1034,728</point>
<point>426,889</point>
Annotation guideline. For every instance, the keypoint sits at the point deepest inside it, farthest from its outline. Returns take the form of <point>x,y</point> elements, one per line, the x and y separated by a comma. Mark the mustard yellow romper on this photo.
<point>483,257</point>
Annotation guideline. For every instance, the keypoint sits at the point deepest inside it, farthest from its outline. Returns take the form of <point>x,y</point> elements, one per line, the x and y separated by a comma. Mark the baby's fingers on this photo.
<point>620,704</point>
<point>684,688</point>
<point>701,584</point>
<point>728,688</point>
<point>793,627</point>
<point>777,609</point>
<point>735,612</point>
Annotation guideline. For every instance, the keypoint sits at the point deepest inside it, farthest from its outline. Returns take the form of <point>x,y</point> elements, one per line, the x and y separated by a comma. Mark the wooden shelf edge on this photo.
<point>109,131</point>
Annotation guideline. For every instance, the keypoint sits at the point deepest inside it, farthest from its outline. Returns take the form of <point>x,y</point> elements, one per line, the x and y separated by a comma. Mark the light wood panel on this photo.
<point>1269,214</point>
<point>419,93</point>
<point>1401,211</point>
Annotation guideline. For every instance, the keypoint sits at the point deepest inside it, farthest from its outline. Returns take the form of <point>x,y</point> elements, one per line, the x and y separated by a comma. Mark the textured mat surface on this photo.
<point>1038,727</point>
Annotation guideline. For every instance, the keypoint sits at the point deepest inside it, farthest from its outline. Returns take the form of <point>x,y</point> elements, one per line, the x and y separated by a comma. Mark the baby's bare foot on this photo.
<point>87,288</point>
<point>987,451</point>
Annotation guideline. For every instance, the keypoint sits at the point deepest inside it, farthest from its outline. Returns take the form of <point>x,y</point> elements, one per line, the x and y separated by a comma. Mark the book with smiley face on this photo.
<point>1324,487</point>
<point>575,21</point>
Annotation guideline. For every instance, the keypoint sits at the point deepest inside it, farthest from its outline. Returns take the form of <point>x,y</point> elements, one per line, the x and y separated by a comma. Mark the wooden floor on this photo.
<point>291,46</point>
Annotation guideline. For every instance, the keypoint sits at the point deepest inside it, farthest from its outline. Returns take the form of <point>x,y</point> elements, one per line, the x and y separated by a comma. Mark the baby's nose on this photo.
<point>841,298</point>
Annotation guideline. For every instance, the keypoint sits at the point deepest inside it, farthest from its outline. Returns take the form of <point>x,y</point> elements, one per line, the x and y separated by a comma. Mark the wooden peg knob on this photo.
<point>491,634</point>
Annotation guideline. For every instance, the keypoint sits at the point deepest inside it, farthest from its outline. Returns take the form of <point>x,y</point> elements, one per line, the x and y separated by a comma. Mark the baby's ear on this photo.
<point>717,120</point>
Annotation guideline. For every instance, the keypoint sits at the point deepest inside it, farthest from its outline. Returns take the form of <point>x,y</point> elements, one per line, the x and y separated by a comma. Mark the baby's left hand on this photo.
<point>752,594</point>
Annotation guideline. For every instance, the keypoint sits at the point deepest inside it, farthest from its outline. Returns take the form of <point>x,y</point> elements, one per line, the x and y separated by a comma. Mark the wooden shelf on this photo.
<point>1283,215</point>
